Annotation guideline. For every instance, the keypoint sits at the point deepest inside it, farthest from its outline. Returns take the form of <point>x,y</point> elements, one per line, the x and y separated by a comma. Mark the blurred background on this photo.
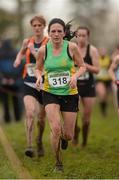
<point>100,16</point>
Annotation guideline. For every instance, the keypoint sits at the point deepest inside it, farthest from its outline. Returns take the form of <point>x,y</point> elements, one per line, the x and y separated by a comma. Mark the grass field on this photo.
<point>99,160</point>
<point>6,171</point>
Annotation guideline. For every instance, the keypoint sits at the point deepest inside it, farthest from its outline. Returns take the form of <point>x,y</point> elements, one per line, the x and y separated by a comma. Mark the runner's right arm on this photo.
<point>21,53</point>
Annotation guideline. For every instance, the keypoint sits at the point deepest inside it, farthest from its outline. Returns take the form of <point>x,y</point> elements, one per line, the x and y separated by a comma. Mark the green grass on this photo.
<point>6,170</point>
<point>99,160</point>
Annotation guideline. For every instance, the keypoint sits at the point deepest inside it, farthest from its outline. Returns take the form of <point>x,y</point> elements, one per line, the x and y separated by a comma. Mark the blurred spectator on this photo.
<point>103,80</point>
<point>10,82</point>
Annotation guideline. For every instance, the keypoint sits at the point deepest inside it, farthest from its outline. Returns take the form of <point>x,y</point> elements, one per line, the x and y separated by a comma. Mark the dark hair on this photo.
<point>56,20</point>
<point>41,19</point>
<point>85,28</point>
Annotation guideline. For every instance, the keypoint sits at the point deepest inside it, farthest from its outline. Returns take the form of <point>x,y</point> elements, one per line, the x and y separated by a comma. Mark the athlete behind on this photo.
<point>103,80</point>
<point>114,74</point>
<point>86,83</point>
<point>60,95</point>
<point>32,96</point>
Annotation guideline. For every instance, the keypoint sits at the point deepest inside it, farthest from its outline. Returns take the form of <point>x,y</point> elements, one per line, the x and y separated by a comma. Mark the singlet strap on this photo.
<point>31,40</point>
<point>46,52</point>
<point>68,52</point>
<point>87,57</point>
<point>88,51</point>
<point>45,40</point>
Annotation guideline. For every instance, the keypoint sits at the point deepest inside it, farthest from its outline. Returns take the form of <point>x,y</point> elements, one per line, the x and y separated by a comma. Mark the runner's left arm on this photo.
<point>94,68</point>
<point>77,58</point>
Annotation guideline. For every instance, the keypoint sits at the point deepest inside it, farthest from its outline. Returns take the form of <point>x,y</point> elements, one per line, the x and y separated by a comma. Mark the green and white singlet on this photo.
<point>58,71</point>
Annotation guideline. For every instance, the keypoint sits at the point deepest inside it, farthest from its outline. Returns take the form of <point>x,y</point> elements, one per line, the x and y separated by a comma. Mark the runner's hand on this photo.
<point>73,82</point>
<point>117,82</point>
<point>25,44</point>
<point>16,63</point>
<point>38,82</point>
<point>31,47</point>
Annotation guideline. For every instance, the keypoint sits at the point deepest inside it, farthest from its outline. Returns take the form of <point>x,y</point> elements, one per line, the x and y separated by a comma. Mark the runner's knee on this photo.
<point>56,130</point>
<point>30,113</point>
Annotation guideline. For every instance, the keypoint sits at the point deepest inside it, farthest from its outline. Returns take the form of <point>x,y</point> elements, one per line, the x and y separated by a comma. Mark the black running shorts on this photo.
<point>86,90</point>
<point>33,92</point>
<point>67,103</point>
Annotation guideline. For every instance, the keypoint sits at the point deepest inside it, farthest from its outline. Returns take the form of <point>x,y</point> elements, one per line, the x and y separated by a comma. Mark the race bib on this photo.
<point>59,79</point>
<point>84,76</point>
<point>31,69</point>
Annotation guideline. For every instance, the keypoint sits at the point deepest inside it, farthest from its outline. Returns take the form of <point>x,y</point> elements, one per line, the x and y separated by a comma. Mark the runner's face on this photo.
<point>56,33</point>
<point>82,36</point>
<point>37,27</point>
